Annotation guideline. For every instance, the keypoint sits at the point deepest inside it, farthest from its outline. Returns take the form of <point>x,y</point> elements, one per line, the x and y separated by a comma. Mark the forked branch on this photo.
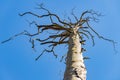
<point>64,28</point>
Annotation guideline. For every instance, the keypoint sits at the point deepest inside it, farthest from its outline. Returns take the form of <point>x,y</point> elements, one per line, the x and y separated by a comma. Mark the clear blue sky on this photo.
<point>17,58</point>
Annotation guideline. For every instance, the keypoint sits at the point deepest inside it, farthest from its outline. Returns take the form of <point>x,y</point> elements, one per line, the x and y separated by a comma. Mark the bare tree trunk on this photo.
<point>75,68</point>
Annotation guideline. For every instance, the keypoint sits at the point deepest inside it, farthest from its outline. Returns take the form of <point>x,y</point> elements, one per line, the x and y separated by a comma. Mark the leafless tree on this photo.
<point>73,34</point>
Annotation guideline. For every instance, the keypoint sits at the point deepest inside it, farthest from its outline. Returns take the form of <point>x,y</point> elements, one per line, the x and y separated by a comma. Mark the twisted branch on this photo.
<point>65,29</point>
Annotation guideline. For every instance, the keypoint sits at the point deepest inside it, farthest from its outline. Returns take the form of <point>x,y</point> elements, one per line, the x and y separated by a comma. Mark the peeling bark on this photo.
<point>73,34</point>
<point>75,68</point>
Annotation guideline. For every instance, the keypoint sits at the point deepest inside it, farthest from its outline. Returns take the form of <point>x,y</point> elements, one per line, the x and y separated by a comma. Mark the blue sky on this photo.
<point>17,58</point>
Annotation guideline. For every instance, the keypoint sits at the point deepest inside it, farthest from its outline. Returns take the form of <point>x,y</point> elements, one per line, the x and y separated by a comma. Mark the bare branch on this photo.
<point>83,33</point>
<point>63,57</point>
<point>74,15</point>
<point>91,16</point>
<point>48,42</point>
<point>46,15</point>
<point>59,35</point>
<point>92,37</point>
<point>83,49</point>
<point>53,27</point>
<point>70,21</point>
<point>30,35</point>
<point>62,36</point>
<point>99,36</point>
<point>40,55</point>
<point>46,50</point>
<point>11,38</point>
<point>83,42</point>
<point>85,58</point>
<point>65,28</point>
<point>81,17</point>
<point>32,42</point>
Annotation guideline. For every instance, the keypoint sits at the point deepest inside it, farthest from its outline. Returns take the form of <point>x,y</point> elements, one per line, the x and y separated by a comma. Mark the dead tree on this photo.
<point>73,34</point>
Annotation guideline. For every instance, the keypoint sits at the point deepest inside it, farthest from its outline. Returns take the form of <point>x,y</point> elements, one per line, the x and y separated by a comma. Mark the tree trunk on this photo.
<point>75,68</point>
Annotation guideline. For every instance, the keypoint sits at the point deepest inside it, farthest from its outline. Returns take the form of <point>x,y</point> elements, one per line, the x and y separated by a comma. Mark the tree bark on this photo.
<point>75,68</point>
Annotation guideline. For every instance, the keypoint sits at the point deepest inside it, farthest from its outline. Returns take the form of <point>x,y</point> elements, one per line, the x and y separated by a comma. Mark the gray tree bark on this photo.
<point>75,68</point>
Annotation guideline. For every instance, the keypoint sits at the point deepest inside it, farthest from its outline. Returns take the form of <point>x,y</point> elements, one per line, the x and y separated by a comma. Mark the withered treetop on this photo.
<point>61,29</point>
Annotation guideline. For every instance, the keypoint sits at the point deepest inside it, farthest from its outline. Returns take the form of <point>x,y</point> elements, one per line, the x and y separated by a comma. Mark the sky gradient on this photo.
<point>17,58</point>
